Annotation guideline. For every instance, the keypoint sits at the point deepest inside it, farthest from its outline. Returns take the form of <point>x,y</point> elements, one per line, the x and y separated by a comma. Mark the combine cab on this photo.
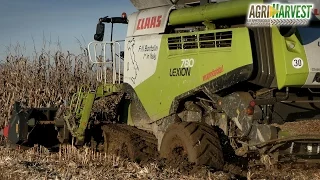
<point>195,80</point>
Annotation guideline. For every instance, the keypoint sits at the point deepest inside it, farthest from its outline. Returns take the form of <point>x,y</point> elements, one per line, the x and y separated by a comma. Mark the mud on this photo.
<point>286,171</point>
<point>79,164</point>
<point>306,127</point>
<point>140,147</point>
<point>105,108</point>
<point>129,143</point>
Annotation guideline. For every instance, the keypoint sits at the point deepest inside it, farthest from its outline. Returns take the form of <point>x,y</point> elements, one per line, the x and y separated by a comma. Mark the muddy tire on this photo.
<point>198,142</point>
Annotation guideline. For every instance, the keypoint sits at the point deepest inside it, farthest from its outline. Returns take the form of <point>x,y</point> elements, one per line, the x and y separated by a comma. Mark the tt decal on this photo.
<point>149,51</point>
<point>213,73</point>
<point>130,46</point>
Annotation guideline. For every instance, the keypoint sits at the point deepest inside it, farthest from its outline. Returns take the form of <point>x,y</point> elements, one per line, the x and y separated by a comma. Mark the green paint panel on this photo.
<point>211,12</point>
<point>286,74</point>
<point>158,92</point>
<point>85,115</point>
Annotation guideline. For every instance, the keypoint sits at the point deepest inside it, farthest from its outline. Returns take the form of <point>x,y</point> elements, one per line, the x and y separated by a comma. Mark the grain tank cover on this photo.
<point>146,4</point>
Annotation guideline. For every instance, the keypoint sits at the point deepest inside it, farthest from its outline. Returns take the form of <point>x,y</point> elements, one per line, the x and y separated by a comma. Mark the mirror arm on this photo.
<point>101,27</point>
<point>105,20</point>
<point>113,20</point>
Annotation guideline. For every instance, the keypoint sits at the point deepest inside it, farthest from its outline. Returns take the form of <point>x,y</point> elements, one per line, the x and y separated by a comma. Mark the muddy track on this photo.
<point>130,142</point>
<point>141,147</point>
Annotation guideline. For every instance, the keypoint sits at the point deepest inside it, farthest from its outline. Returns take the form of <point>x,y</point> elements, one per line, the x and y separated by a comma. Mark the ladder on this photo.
<point>78,111</point>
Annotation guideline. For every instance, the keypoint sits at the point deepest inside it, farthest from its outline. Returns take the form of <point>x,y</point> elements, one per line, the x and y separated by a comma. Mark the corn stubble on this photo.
<point>49,80</point>
<point>72,163</point>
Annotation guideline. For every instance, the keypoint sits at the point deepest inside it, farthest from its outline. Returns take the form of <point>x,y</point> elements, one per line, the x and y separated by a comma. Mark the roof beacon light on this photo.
<point>124,15</point>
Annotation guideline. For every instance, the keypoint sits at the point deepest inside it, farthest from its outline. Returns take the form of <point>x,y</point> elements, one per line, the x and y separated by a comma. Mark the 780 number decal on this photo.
<point>186,63</point>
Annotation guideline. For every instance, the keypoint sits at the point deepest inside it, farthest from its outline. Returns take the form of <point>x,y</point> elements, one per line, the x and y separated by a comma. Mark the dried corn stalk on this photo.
<point>45,81</point>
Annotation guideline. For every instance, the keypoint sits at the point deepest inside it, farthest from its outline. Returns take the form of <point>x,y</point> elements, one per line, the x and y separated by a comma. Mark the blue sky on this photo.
<point>21,21</point>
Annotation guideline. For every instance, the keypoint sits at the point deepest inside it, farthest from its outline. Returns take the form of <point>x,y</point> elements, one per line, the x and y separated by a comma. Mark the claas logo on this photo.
<point>149,22</point>
<point>281,11</point>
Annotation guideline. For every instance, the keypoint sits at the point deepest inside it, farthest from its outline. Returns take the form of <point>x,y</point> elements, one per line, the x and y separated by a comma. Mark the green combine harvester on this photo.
<point>194,80</point>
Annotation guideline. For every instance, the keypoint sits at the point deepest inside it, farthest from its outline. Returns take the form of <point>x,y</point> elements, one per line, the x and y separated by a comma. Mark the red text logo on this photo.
<point>149,22</point>
<point>316,12</point>
<point>213,73</point>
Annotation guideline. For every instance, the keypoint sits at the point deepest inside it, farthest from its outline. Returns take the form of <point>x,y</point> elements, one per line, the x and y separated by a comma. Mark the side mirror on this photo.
<point>99,32</point>
<point>287,31</point>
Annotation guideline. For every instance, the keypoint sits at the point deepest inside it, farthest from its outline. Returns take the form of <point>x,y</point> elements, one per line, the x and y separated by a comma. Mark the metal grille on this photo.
<point>215,40</point>
<point>174,43</point>
<point>224,39</point>
<point>190,42</point>
<point>206,40</point>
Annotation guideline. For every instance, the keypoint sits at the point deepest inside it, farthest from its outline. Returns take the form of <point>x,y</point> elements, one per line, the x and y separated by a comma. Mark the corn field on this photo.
<point>45,80</point>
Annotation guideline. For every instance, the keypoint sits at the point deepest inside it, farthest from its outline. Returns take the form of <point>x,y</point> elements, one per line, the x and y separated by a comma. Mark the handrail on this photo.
<point>103,61</point>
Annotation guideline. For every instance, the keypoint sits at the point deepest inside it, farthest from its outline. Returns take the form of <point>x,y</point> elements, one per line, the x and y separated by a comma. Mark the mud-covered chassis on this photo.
<point>247,130</point>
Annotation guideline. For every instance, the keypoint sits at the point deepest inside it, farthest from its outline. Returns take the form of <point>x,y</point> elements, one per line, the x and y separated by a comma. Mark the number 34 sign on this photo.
<point>297,63</point>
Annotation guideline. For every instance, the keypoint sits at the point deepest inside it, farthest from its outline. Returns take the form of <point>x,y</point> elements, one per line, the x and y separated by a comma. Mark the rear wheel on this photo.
<point>198,142</point>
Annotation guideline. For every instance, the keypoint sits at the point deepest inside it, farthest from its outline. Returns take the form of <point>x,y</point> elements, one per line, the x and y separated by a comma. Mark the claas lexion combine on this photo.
<point>195,81</point>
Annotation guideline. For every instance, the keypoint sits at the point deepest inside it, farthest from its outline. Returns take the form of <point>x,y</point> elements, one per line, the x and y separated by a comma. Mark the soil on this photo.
<point>309,127</point>
<point>140,147</point>
<point>130,142</point>
<point>72,163</point>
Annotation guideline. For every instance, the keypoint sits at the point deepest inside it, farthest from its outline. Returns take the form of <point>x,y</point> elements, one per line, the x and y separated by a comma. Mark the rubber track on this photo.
<point>142,145</point>
<point>143,134</point>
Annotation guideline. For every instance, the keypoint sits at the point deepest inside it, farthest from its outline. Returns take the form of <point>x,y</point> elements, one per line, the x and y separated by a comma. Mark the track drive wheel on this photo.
<point>198,142</point>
